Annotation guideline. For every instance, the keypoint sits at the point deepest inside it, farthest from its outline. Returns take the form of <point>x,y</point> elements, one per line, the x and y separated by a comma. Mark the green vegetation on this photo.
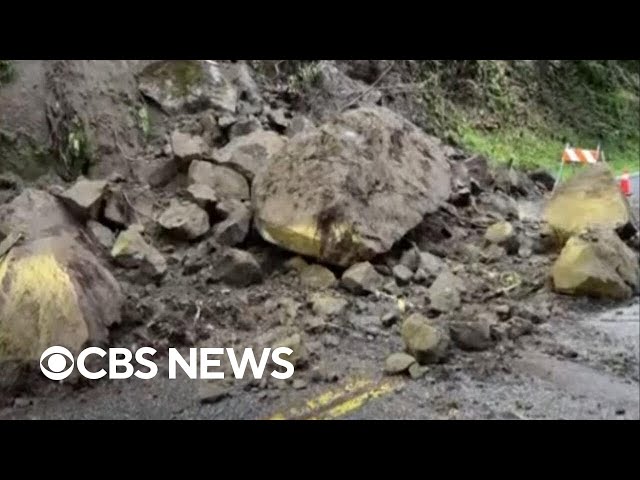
<point>182,74</point>
<point>7,72</point>
<point>526,111</point>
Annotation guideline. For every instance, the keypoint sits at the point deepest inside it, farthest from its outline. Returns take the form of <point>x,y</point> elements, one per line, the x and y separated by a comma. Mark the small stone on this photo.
<point>224,181</point>
<point>472,335</point>
<point>417,371</point>
<point>326,305</point>
<point>299,384</point>
<point>157,172</point>
<point>237,268</point>
<point>402,274</point>
<point>444,293</point>
<point>298,124</point>
<point>331,340</point>
<point>226,120</point>
<point>116,210</point>
<point>390,318</point>
<point>431,264</point>
<point>493,253</point>
<point>317,276</point>
<point>184,220</point>
<point>299,355</point>
<point>391,287</point>
<point>369,324</point>
<point>297,264</point>
<point>518,327</point>
<point>503,311</point>
<point>84,198</point>
<point>244,127</point>
<point>398,362</point>
<point>314,324</point>
<point>421,276</point>
<point>132,251</point>
<point>187,147</point>
<point>427,343</point>
<point>503,234</point>
<point>202,195</point>
<point>411,259</point>
<point>278,119</point>
<point>211,393</point>
<point>235,228</point>
<point>22,402</point>
<point>362,278</point>
<point>101,234</point>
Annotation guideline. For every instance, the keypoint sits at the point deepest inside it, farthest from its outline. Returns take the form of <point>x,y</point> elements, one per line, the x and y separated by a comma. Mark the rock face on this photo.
<point>132,251</point>
<point>425,342</point>
<point>188,86</point>
<point>250,153</point>
<point>362,278</point>
<point>184,220</point>
<point>225,182</point>
<point>84,198</point>
<point>589,199</point>
<point>596,264</point>
<point>54,292</point>
<point>36,214</point>
<point>350,189</point>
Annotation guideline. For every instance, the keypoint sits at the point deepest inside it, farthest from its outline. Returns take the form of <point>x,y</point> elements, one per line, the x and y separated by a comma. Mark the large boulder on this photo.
<point>349,190</point>
<point>590,198</point>
<point>188,86</point>
<point>54,292</point>
<point>598,264</point>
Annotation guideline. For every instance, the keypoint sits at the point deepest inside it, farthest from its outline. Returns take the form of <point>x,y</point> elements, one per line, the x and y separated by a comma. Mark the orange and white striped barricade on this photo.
<point>572,155</point>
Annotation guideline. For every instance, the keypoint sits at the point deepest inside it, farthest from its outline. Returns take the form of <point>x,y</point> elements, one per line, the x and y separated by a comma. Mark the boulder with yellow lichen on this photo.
<point>589,199</point>
<point>598,264</point>
<point>53,291</point>
<point>349,190</point>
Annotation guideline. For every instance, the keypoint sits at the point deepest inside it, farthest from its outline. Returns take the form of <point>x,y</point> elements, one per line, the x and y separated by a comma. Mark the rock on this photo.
<point>471,335</point>
<point>391,287</point>
<point>536,314</point>
<point>184,220</point>
<point>349,190</point>
<point>225,121</point>
<point>417,371</point>
<point>596,264</point>
<point>503,234</point>
<point>116,211</point>
<point>369,324</point>
<point>85,198</point>
<point>421,276</point>
<point>299,384</point>
<point>402,274</point>
<point>203,196</point>
<point>390,318</point>
<point>543,178</point>
<point>501,204</point>
<point>237,268</point>
<point>411,259</point>
<point>278,119</point>
<point>157,172</point>
<point>225,182</point>
<point>331,340</point>
<point>314,324</point>
<point>132,251</point>
<point>54,292</point>
<point>444,292</point>
<point>427,343</point>
<point>478,169</point>
<point>398,362</point>
<point>589,199</point>
<point>519,326</point>
<point>188,86</point>
<point>250,153</point>
<point>296,263</point>
<point>362,278</point>
<point>493,253</point>
<point>244,127</point>
<point>101,234</point>
<point>299,357</point>
<point>298,124</point>
<point>340,88</point>
<point>326,305</point>
<point>431,264</point>
<point>187,147</point>
<point>210,393</point>
<point>503,311</point>
<point>36,214</point>
<point>235,228</point>
<point>317,276</point>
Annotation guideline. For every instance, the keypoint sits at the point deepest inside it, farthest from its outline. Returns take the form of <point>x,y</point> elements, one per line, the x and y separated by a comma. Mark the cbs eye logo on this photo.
<point>54,367</point>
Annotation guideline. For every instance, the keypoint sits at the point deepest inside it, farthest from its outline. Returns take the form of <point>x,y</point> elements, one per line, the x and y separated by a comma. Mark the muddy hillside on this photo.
<point>263,204</point>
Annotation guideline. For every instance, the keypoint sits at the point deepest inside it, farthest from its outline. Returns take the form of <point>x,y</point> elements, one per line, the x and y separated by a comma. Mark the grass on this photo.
<point>7,72</point>
<point>530,149</point>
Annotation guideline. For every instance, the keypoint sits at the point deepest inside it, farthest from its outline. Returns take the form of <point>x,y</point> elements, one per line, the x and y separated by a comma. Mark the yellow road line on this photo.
<point>339,401</point>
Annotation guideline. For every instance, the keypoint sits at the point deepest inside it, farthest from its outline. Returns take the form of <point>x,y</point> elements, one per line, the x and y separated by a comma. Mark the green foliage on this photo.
<point>306,76</point>
<point>76,152</point>
<point>7,71</point>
